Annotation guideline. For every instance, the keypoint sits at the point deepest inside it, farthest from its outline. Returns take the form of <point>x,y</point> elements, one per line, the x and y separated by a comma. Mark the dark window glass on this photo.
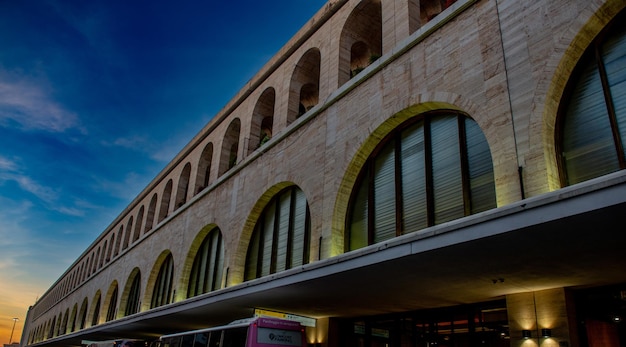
<point>132,304</point>
<point>430,170</point>
<point>281,236</point>
<point>162,293</point>
<point>112,306</point>
<point>593,117</point>
<point>206,272</point>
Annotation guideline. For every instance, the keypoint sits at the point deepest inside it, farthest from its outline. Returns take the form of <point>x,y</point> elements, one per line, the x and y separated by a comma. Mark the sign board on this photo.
<point>306,321</point>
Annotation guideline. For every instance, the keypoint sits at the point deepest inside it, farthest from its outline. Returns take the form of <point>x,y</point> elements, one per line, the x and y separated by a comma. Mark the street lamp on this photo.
<point>11,338</point>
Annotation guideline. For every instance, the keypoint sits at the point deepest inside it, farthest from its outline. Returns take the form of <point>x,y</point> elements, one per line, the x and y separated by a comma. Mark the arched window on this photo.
<point>63,326</point>
<point>129,230</point>
<point>112,305</point>
<point>361,39</point>
<point>230,147</point>
<point>304,86</point>
<point>137,231</point>
<point>165,201</point>
<point>95,260</point>
<point>82,315</point>
<point>206,272</point>
<point>151,212</point>
<point>204,168</point>
<point>430,9</point>
<point>95,318</point>
<point>132,302</point>
<point>162,293</point>
<point>118,241</point>
<point>110,250</point>
<point>52,327</point>
<point>183,186</point>
<point>428,171</point>
<point>593,115</point>
<point>73,318</point>
<point>262,120</point>
<point>281,237</point>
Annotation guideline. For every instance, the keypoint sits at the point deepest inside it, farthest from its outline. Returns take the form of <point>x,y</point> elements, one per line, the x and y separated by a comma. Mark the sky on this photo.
<point>96,97</point>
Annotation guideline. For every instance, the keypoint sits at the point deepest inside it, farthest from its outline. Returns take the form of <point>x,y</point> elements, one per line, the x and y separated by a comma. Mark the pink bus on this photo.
<point>254,332</point>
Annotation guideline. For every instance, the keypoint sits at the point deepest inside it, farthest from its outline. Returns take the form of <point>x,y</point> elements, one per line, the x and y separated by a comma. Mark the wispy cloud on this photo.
<point>29,103</point>
<point>10,171</point>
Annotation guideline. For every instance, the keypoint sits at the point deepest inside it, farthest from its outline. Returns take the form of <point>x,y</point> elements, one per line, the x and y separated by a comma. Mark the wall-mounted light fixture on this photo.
<point>546,332</point>
<point>526,334</point>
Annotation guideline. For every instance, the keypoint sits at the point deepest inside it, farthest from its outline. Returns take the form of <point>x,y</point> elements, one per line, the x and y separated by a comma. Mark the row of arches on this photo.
<point>361,43</point>
<point>281,236</point>
<point>369,222</point>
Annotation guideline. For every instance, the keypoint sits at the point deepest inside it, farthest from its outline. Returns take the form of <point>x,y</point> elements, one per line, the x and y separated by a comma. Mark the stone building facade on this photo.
<point>305,195</point>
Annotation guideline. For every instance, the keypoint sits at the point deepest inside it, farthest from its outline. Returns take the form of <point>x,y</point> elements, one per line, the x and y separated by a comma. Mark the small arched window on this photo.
<point>165,201</point>
<point>430,170</point>
<point>206,272</point>
<point>281,236</point>
<point>593,115</point>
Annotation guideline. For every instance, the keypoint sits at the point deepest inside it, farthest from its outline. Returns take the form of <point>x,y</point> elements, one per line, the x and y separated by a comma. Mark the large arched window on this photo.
<point>95,317</point>
<point>52,327</point>
<point>82,315</point>
<point>112,305</point>
<point>430,170</point>
<point>593,116</point>
<point>162,293</point>
<point>132,302</point>
<point>281,236</point>
<point>206,272</point>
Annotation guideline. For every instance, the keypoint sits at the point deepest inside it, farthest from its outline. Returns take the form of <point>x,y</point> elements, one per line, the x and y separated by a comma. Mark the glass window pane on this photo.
<point>614,57</point>
<point>284,207</point>
<point>480,169</point>
<point>268,238</point>
<point>253,254</point>
<point>298,251</point>
<point>384,194</point>
<point>414,206</point>
<point>358,226</point>
<point>588,149</point>
<point>447,182</point>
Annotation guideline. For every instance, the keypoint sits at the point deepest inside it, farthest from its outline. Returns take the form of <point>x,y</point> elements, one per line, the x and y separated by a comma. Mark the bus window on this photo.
<point>187,341</point>
<point>171,342</point>
<point>235,337</point>
<point>215,337</point>
<point>201,340</point>
<point>253,332</point>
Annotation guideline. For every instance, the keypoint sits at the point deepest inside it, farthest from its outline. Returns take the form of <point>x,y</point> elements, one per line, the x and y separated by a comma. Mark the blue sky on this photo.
<point>96,97</point>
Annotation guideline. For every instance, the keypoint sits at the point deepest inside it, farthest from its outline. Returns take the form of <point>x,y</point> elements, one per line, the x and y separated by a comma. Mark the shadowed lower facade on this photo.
<point>404,172</point>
